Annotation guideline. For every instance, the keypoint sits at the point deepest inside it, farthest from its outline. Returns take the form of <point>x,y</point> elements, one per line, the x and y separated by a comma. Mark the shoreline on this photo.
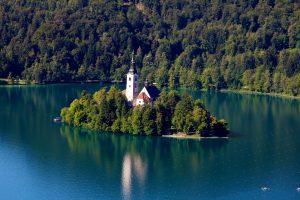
<point>259,93</point>
<point>194,136</point>
<point>4,81</point>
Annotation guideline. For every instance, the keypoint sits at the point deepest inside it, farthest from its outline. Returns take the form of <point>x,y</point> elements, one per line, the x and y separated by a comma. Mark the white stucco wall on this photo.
<point>140,102</point>
<point>132,86</point>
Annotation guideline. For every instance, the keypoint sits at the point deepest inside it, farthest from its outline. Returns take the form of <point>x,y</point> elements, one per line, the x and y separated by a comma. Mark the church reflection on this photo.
<point>133,168</point>
<point>135,161</point>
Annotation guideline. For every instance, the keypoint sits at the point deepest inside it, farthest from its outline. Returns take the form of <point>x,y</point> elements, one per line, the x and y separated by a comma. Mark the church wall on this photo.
<point>132,86</point>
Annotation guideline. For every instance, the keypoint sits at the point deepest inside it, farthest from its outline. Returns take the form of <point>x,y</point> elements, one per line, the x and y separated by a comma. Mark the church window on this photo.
<point>129,86</point>
<point>135,79</point>
<point>129,79</point>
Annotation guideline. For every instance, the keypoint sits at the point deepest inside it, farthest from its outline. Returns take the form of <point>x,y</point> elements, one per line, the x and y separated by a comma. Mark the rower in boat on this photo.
<point>57,119</point>
<point>264,189</point>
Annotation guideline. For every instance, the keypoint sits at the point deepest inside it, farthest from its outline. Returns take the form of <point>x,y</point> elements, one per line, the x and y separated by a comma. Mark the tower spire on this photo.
<point>132,64</point>
<point>132,57</point>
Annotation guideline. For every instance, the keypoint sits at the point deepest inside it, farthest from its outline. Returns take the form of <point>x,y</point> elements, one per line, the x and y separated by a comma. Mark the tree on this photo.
<point>294,85</point>
<point>137,123</point>
<point>200,119</point>
<point>258,81</point>
<point>289,61</point>
<point>267,81</point>
<point>148,120</point>
<point>183,108</point>
<point>161,77</point>
<point>247,79</point>
<point>206,78</point>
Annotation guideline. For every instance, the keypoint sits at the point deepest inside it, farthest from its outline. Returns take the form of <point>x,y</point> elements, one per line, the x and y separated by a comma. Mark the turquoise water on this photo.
<point>40,159</point>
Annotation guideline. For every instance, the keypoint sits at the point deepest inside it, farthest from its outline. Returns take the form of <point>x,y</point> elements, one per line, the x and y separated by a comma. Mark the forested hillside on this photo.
<point>235,44</point>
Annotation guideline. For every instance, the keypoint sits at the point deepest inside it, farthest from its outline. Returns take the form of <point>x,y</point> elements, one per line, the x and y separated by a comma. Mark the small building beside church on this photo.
<point>147,95</point>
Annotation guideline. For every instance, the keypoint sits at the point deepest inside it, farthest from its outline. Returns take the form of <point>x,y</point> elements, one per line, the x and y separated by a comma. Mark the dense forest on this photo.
<point>213,44</point>
<point>109,111</point>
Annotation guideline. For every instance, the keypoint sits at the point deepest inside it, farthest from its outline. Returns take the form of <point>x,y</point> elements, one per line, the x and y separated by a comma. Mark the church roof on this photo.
<point>143,96</point>
<point>153,91</point>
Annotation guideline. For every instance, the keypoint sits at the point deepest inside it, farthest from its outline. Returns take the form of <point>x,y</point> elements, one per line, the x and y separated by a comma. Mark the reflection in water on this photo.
<point>132,166</point>
<point>140,169</point>
<point>101,146</point>
<point>113,166</point>
<point>132,159</point>
<point>126,176</point>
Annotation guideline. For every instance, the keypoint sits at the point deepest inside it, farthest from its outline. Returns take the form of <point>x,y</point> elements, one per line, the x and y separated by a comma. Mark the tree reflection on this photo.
<point>134,156</point>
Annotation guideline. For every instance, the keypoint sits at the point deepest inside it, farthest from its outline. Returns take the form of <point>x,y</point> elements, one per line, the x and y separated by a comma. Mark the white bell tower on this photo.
<point>132,80</point>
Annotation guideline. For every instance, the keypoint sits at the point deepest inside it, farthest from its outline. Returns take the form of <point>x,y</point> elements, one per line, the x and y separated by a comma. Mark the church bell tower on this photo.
<point>132,81</point>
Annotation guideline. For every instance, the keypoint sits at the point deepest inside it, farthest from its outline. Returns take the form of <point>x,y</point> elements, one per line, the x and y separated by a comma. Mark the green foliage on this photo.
<point>191,117</point>
<point>148,120</point>
<point>198,44</point>
<point>136,121</point>
<point>108,111</point>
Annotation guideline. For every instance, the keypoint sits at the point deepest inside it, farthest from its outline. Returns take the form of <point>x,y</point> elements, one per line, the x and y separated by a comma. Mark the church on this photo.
<point>147,95</point>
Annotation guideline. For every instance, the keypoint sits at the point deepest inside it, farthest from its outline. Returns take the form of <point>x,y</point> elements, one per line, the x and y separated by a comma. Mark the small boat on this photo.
<point>298,189</point>
<point>264,189</point>
<point>57,119</point>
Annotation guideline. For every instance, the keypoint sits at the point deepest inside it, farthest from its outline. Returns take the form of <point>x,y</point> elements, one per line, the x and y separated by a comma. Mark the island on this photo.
<point>109,111</point>
<point>148,112</point>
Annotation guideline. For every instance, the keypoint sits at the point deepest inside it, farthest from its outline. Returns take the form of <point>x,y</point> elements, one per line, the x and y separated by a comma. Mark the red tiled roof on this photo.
<point>144,97</point>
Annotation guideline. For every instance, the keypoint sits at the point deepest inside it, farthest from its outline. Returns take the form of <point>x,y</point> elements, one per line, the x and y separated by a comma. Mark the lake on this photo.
<point>40,159</point>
